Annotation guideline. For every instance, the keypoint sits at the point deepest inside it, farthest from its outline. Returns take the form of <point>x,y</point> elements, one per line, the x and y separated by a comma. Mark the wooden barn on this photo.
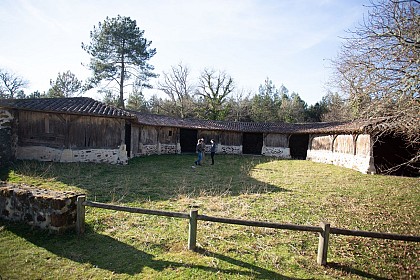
<point>82,129</point>
<point>64,130</point>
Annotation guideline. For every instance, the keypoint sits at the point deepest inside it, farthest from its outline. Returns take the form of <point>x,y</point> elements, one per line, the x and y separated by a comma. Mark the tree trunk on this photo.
<point>121,99</point>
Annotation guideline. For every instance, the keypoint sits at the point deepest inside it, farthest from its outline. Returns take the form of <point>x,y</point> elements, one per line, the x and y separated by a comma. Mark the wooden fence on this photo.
<point>324,230</point>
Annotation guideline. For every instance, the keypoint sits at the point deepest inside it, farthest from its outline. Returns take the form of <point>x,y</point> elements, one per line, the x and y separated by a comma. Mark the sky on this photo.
<point>291,42</point>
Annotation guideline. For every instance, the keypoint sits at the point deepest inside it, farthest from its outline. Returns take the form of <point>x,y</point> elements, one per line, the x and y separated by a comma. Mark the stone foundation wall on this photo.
<point>114,156</point>
<point>230,150</point>
<point>45,209</point>
<point>364,164</point>
<point>147,150</point>
<point>169,149</point>
<point>276,152</point>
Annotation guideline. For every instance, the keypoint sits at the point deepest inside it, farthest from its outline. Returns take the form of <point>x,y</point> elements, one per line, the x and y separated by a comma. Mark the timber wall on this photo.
<point>6,136</point>
<point>62,138</point>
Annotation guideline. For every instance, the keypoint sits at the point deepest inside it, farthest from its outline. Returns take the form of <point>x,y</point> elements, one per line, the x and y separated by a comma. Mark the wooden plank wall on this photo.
<point>276,140</point>
<point>69,131</point>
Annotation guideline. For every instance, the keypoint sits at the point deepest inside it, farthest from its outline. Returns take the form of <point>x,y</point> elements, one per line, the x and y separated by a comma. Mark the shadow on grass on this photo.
<point>255,271</point>
<point>104,252</point>
<point>354,271</point>
<point>153,178</point>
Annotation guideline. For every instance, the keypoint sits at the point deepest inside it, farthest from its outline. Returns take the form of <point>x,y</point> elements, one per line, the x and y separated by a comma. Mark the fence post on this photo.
<point>324,236</point>
<point>192,236</point>
<point>80,220</point>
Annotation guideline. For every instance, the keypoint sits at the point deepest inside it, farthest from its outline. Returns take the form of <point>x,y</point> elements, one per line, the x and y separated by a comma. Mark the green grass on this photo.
<point>120,245</point>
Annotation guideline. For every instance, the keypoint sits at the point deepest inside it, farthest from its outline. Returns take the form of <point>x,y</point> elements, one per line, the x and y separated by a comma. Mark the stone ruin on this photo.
<point>40,208</point>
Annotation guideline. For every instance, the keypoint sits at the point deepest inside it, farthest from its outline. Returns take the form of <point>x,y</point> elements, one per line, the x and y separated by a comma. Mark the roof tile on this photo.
<point>74,105</point>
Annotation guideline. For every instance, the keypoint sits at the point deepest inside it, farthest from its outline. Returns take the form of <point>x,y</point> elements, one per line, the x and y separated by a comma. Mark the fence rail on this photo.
<point>324,230</point>
<point>136,210</point>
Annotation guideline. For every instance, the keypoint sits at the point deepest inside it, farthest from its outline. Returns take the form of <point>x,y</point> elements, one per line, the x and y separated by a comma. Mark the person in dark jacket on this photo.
<point>199,150</point>
<point>212,151</point>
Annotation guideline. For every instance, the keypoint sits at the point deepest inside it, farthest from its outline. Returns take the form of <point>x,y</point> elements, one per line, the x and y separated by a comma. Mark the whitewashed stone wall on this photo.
<point>361,160</point>
<point>279,152</point>
<point>170,149</point>
<point>113,156</point>
<point>362,164</point>
<point>147,150</point>
<point>230,150</point>
<point>159,149</point>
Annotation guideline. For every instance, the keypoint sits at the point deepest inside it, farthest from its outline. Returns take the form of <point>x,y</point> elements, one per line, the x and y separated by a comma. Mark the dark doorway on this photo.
<point>188,140</point>
<point>252,143</point>
<point>128,138</point>
<point>298,145</point>
<point>391,152</point>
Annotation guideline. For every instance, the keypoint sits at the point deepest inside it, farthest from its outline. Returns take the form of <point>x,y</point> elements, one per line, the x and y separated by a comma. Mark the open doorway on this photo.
<point>128,139</point>
<point>298,144</point>
<point>252,143</point>
<point>390,152</point>
<point>188,140</point>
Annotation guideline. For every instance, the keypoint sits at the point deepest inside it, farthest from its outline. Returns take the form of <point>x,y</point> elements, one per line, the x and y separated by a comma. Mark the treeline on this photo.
<point>214,97</point>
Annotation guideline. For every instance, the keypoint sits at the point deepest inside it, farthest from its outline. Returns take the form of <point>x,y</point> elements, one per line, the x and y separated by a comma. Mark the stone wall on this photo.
<point>348,151</point>
<point>45,209</point>
<point>229,150</point>
<point>6,152</point>
<point>279,152</point>
<point>169,149</point>
<point>114,156</point>
<point>362,164</point>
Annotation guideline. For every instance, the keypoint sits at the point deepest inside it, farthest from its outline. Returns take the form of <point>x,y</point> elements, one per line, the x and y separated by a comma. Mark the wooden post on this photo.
<point>192,236</point>
<point>80,220</point>
<point>324,236</point>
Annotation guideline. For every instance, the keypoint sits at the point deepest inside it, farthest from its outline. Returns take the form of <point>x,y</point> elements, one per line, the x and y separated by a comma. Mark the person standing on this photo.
<point>199,150</point>
<point>212,150</point>
<point>203,150</point>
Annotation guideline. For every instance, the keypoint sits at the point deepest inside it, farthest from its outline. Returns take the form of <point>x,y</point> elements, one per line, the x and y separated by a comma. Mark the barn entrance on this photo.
<point>390,153</point>
<point>298,145</point>
<point>252,143</point>
<point>128,138</point>
<point>188,140</point>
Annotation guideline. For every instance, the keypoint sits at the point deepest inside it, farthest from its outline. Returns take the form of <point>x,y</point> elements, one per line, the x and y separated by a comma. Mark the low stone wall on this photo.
<point>364,164</point>
<point>276,152</point>
<point>113,156</point>
<point>147,150</point>
<point>45,209</point>
<point>229,150</point>
<point>169,149</point>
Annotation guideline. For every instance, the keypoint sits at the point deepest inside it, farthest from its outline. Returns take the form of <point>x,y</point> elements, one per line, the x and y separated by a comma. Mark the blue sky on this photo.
<point>289,41</point>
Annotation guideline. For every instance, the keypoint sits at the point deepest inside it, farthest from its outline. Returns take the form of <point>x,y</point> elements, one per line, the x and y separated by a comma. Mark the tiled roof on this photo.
<point>89,106</point>
<point>281,127</point>
<point>74,105</point>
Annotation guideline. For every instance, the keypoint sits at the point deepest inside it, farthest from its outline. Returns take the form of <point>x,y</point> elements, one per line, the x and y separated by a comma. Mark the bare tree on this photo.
<point>11,85</point>
<point>335,108</point>
<point>178,88</point>
<point>378,69</point>
<point>214,89</point>
<point>240,106</point>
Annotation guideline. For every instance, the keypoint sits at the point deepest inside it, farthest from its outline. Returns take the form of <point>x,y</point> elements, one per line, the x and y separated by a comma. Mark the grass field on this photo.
<point>120,245</point>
